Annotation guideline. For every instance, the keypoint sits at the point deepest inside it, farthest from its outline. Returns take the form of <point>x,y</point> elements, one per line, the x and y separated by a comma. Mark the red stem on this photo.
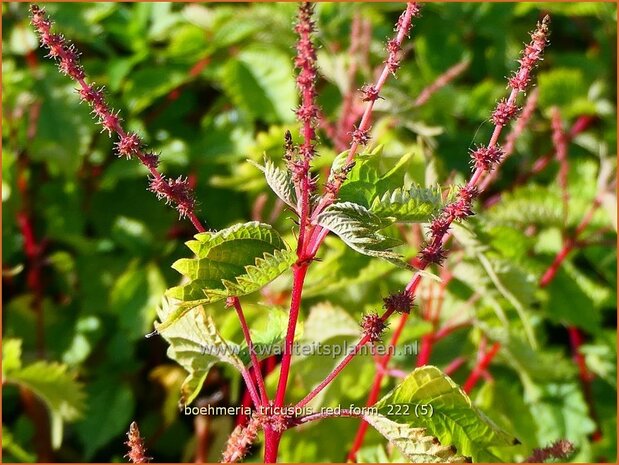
<point>234,301</point>
<point>441,82</point>
<point>403,26</point>
<point>300,270</point>
<point>481,366</point>
<point>375,389</point>
<point>454,365</point>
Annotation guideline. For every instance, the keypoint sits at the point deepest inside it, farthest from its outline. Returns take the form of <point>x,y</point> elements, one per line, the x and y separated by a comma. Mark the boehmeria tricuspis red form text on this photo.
<point>313,202</point>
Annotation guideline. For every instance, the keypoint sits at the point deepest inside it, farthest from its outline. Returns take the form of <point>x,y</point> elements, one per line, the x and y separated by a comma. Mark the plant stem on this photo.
<point>479,368</point>
<point>252,354</point>
<point>441,82</point>
<point>454,365</point>
<point>299,273</point>
<point>486,158</point>
<point>375,389</point>
<point>271,445</point>
<point>403,27</point>
<point>129,145</point>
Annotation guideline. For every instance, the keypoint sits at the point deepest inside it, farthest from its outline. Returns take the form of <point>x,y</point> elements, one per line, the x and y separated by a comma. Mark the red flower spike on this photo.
<point>370,93</point>
<point>360,136</point>
<point>241,439</point>
<point>485,157</point>
<point>531,56</point>
<point>433,253</point>
<point>504,113</point>
<point>128,145</point>
<point>459,210</point>
<point>108,119</point>
<point>137,451</point>
<point>373,326</point>
<point>401,302</point>
<point>439,226</point>
<point>150,160</point>
<point>468,193</point>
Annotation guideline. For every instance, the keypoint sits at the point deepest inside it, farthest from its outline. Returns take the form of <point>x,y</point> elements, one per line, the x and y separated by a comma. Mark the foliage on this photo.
<point>87,250</point>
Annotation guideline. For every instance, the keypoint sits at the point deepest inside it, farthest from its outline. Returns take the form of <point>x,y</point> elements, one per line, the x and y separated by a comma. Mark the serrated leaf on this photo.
<point>268,336</point>
<point>231,262</point>
<point>326,321</point>
<point>342,267</point>
<point>359,228</point>
<point>196,345</point>
<point>258,82</point>
<point>413,205</point>
<point>60,392</point>
<point>11,355</point>
<point>454,419</point>
<point>415,443</point>
<point>111,408</point>
<point>279,180</point>
<point>367,179</point>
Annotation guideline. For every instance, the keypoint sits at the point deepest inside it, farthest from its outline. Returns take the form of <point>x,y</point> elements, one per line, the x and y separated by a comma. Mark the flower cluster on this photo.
<point>401,302</point>
<point>485,158</point>
<point>560,450</point>
<point>305,62</point>
<point>373,326</point>
<point>129,145</point>
<point>137,451</point>
<point>531,56</point>
<point>402,29</point>
<point>241,439</point>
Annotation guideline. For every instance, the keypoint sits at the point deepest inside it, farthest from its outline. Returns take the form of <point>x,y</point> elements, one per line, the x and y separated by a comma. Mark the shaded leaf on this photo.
<point>196,345</point>
<point>60,392</point>
<point>231,262</point>
<point>279,180</point>
<point>359,228</point>
<point>454,421</point>
<point>413,205</point>
<point>414,443</point>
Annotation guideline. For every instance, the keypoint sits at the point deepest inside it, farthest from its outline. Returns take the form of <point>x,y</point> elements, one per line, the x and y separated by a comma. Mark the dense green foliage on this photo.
<point>88,251</point>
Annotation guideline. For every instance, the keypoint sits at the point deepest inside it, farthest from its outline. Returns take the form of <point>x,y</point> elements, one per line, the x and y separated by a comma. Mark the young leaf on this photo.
<point>196,345</point>
<point>415,443</point>
<point>59,391</point>
<point>413,205</point>
<point>359,228</point>
<point>279,180</point>
<point>232,262</point>
<point>448,414</point>
<point>365,181</point>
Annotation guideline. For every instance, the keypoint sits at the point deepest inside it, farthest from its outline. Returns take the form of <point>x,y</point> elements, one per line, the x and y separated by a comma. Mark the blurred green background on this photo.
<point>87,250</point>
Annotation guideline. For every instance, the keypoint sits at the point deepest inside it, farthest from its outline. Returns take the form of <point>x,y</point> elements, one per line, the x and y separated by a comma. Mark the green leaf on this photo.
<point>11,355</point>
<point>268,335</point>
<point>58,389</point>
<point>529,205</point>
<point>568,303</point>
<point>110,411</point>
<point>279,180</point>
<point>415,443</point>
<point>413,205</point>
<point>196,345</point>
<point>359,228</point>
<point>258,81</point>
<point>560,411</point>
<point>365,181</point>
<point>326,321</point>
<point>231,262</point>
<point>13,451</point>
<point>454,419</point>
<point>135,297</point>
<point>341,268</point>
